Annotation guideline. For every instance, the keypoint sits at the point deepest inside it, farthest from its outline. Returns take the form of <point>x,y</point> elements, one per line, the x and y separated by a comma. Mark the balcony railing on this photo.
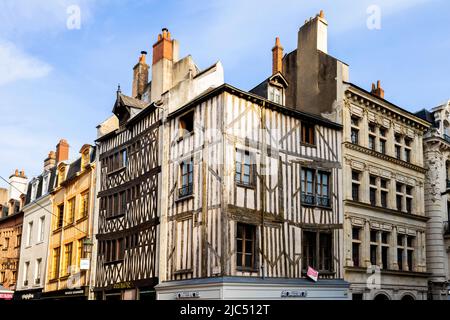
<point>312,200</point>
<point>323,201</point>
<point>308,199</point>
<point>185,191</point>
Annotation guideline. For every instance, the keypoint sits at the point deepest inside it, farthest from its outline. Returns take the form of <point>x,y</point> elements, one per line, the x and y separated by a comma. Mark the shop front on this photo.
<point>73,294</point>
<point>35,294</point>
<point>6,294</point>
<point>129,290</point>
<point>250,288</point>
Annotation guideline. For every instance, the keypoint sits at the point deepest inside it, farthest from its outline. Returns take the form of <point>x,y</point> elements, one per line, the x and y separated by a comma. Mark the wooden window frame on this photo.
<point>317,255</point>
<point>308,134</point>
<point>186,190</point>
<point>244,154</point>
<point>244,252</point>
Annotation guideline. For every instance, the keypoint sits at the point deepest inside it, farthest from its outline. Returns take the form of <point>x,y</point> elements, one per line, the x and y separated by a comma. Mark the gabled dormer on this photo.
<point>85,153</point>
<point>274,87</point>
<point>61,173</point>
<point>126,107</point>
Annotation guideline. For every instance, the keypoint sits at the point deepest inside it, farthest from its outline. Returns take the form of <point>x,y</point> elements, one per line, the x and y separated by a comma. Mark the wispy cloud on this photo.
<point>16,64</point>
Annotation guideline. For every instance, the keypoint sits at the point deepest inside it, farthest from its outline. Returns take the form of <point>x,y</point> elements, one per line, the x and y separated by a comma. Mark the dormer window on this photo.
<point>276,94</point>
<point>34,188</point>
<point>61,173</point>
<point>45,184</point>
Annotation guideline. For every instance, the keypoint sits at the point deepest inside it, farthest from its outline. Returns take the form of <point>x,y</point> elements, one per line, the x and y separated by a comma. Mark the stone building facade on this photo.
<point>71,226</point>
<point>436,150</point>
<point>11,221</point>
<point>37,213</point>
<point>383,169</point>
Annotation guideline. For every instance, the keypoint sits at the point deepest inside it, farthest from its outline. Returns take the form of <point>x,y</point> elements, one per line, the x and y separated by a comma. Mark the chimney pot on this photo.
<point>378,90</point>
<point>322,14</point>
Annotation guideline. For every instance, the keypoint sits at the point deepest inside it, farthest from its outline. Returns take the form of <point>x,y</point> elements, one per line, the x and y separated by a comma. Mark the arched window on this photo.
<point>381,297</point>
<point>408,297</point>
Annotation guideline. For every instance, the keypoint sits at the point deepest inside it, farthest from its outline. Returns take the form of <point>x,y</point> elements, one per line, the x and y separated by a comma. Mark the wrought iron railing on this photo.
<point>323,201</point>
<point>185,191</point>
<point>308,199</point>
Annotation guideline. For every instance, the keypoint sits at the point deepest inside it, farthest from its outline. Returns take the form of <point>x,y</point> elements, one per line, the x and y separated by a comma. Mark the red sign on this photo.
<point>6,296</point>
<point>313,274</point>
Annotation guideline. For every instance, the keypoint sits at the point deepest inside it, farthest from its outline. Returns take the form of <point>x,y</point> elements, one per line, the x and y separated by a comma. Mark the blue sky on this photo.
<point>60,83</point>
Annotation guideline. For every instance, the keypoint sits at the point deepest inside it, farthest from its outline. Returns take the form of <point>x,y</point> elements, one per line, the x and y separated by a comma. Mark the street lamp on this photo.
<point>87,246</point>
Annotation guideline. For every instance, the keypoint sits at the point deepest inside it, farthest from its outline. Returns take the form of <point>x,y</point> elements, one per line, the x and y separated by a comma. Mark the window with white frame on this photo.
<point>41,228</point>
<point>45,180</point>
<point>26,269</point>
<point>29,233</point>
<point>37,271</point>
<point>354,133</point>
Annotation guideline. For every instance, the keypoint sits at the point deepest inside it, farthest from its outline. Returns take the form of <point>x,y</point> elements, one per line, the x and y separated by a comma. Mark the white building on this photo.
<point>436,148</point>
<point>35,233</point>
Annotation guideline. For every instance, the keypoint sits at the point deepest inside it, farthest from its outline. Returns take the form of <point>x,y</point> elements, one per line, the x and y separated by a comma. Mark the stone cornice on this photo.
<point>364,97</point>
<point>386,210</point>
<point>384,157</point>
<point>391,272</point>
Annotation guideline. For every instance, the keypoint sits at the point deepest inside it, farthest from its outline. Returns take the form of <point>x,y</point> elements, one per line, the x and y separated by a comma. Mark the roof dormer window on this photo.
<point>276,94</point>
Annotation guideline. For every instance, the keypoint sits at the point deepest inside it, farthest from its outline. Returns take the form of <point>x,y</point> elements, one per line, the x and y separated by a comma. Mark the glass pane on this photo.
<point>247,169</point>
<point>248,261</point>
<point>239,231</point>
<point>239,246</point>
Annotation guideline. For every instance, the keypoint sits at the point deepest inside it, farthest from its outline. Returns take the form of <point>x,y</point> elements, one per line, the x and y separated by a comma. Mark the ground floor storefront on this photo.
<point>251,288</point>
<point>129,290</point>
<point>34,294</point>
<point>81,293</point>
<point>386,285</point>
<point>6,294</point>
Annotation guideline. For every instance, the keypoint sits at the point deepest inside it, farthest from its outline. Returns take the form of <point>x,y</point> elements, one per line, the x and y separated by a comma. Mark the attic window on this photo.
<point>275,94</point>
<point>186,123</point>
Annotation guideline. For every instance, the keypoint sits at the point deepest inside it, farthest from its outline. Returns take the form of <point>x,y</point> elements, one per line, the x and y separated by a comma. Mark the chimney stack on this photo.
<point>277,57</point>
<point>62,151</point>
<point>313,35</point>
<point>50,162</point>
<point>140,76</point>
<point>163,48</point>
<point>165,54</point>
<point>17,184</point>
<point>378,90</point>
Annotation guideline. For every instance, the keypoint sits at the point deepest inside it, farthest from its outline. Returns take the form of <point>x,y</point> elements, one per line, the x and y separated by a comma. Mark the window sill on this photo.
<point>53,280</point>
<point>188,135</point>
<point>244,185</point>
<point>114,217</point>
<point>116,171</point>
<point>57,230</point>
<point>82,219</point>
<point>69,225</point>
<point>188,197</point>
<point>306,144</point>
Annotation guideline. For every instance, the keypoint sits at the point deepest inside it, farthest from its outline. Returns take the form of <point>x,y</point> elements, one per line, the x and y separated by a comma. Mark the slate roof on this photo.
<point>132,102</point>
<point>40,178</point>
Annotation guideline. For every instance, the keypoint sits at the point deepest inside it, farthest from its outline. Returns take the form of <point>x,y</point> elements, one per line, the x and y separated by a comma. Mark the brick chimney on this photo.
<point>50,162</point>
<point>140,76</point>
<point>165,53</point>
<point>378,90</point>
<point>62,151</point>
<point>277,57</point>
<point>163,48</point>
